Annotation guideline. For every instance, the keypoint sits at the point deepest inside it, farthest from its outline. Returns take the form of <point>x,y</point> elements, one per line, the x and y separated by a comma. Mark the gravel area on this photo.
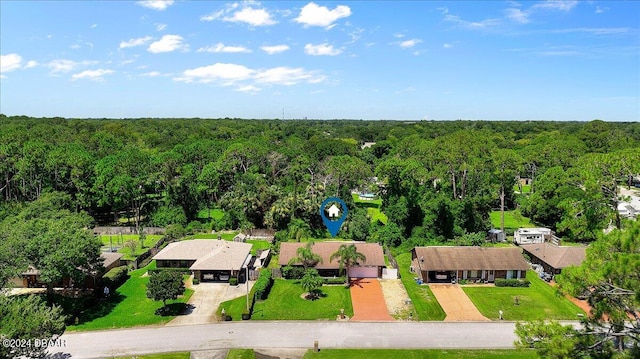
<point>395,297</point>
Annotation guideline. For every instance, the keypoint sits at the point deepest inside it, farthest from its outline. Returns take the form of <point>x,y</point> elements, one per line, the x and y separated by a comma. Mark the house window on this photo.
<point>473,274</point>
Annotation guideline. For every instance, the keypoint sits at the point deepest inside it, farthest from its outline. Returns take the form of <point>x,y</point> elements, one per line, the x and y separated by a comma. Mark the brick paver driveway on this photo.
<point>455,303</point>
<point>368,300</point>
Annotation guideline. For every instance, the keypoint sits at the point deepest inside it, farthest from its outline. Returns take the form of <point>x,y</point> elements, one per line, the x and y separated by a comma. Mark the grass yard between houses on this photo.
<point>175,355</point>
<point>539,301</point>
<point>425,303</point>
<point>216,214</point>
<point>128,306</point>
<point>285,303</point>
<point>227,236</point>
<point>373,208</point>
<point>118,240</point>
<point>420,354</point>
<point>512,221</point>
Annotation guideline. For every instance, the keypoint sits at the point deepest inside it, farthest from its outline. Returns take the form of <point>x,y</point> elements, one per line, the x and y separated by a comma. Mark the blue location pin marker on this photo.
<point>333,225</point>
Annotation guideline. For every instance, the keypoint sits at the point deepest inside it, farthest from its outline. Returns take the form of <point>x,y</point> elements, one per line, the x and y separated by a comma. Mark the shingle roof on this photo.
<point>470,258</point>
<point>209,254</point>
<point>372,251</point>
<point>557,256</point>
<point>110,258</point>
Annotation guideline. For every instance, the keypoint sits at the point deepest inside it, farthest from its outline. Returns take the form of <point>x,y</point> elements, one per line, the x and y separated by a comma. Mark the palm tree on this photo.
<point>306,256</point>
<point>348,256</point>
<point>310,282</point>
<point>298,229</point>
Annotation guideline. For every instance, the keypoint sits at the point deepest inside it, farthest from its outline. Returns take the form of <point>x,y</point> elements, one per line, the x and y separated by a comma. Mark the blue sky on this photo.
<point>489,60</point>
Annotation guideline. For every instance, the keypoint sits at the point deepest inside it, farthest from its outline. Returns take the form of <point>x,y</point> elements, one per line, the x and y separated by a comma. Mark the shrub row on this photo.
<point>336,280</point>
<point>290,272</point>
<point>263,284</point>
<point>499,282</point>
<point>233,281</point>
<point>115,277</point>
<point>184,271</point>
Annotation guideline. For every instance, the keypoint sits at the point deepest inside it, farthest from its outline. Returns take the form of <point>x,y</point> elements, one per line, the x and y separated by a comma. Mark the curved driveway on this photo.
<point>280,334</point>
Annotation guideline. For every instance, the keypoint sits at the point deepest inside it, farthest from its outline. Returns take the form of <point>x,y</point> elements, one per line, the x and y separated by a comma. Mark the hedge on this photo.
<point>336,280</point>
<point>291,272</point>
<point>263,284</point>
<point>499,282</point>
<point>115,277</point>
<point>185,271</point>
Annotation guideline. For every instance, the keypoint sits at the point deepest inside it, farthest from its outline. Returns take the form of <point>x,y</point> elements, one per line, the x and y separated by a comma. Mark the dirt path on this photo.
<point>368,301</point>
<point>455,303</point>
<point>395,295</point>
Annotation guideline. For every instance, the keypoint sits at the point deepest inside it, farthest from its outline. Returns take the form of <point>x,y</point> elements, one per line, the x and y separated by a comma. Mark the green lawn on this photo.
<point>512,220</point>
<point>225,236</point>
<point>216,214</point>
<point>128,306</point>
<point>373,208</point>
<point>258,245</point>
<point>526,189</point>
<point>419,354</point>
<point>426,305</point>
<point>285,303</point>
<point>118,241</point>
<point>539,301</point>
<point>176,355</point>
<point>241,354</point>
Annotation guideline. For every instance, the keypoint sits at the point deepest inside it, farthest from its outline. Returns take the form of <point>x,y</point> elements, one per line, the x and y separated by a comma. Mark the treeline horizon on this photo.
<point>438,180</point>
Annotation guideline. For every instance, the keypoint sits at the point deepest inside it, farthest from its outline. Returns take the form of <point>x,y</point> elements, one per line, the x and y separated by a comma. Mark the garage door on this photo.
<point>363,272</point>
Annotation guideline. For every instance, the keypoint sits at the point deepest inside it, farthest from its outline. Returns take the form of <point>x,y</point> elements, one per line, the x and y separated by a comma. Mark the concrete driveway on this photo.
<point>455,303</point>
<point>206,299</point>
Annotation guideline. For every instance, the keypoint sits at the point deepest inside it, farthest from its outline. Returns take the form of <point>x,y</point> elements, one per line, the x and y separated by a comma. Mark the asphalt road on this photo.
<point>281,334</point>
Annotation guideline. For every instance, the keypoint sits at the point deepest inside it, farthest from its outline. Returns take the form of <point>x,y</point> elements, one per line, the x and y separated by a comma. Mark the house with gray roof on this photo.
<point>208,259</point>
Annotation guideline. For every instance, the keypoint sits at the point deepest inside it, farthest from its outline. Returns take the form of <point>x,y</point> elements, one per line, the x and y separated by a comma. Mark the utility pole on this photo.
<point>246,279</point>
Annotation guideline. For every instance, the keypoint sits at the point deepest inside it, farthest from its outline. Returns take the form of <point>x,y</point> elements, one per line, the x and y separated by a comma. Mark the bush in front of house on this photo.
<point>115,277</point>
<point>290,272</point>
<point>336,280</point>
<point>233,281</point>
<point>184,271</point>
<point>499,282</point>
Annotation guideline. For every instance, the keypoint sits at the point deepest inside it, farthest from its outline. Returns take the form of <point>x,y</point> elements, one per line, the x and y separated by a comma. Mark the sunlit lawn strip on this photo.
<point>512,220</point>
<point>127,307</point>
<point>419,354</point>
<point>425,303</point>
<point>241,354</point>
<point>176,355</point>
<point>539,301</point>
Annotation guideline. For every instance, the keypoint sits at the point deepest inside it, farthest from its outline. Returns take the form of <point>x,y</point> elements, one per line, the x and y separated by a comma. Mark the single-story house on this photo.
<point>440,264</point>
<point>554,258</point>
<point>370,268</point>
<point>496,235</point>
<point>31,277</point>
<point>208,259</point>
<point>532,235</point>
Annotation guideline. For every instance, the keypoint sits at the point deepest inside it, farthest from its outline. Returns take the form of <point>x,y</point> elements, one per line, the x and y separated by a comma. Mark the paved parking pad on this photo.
<point>455,302</point>
<point>368,300</point>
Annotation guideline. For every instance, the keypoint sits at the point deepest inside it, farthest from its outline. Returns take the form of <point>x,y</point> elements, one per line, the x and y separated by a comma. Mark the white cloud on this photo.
<point>315,15</point>
<point>276,49</point>
<point>321,50</point>
<point>286,76</point>
<point>447,45</point>
<point>151,74</point>
<point>518,15</point>
<point>560,5</point>
<point>10,62</point>
<point>96,75</point>
<point>160,27</point>
<point>600,10</point>
<point>483,24</point>
<point>62,65</point>
<point>220,47</point>
<point>31,64</point>
<point>248,89</point>
<point>167,43</point>
<point>245,79</point>
<point>247,14</point>
<point>75,46</point>
<point>94,26</point>
<point>398,35</point>
<point>156,4</point>
<point>407,44</point>
<point>135,42</point>
<point>228,73</point>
